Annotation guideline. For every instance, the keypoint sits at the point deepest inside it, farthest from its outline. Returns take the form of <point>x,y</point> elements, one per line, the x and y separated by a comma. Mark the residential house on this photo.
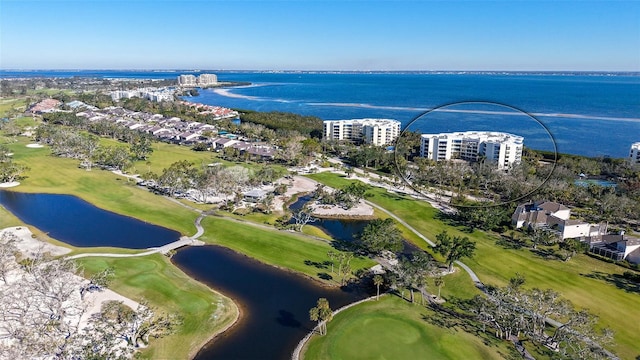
<point>554,216</point>
<point>617,247</point>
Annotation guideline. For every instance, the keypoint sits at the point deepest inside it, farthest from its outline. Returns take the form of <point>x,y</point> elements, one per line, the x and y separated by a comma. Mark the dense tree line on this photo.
<point>72,143</point>
<point>309,126</point>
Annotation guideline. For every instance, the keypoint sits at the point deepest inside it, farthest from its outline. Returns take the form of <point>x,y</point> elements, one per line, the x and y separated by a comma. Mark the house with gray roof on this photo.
<point>555,216</point>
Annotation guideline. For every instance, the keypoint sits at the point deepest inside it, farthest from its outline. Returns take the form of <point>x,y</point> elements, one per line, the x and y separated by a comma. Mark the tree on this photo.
<point>302,217</point>
<point>439,282</point>
<point>454,248</point>
<point>7,255</point>
<point>344,265</point>
<point>377,281</point>
<point>380,235</point>
<point>542,236</point>
<point>321,313</point>
<point>89,146</point>
<point>332,255</point>
<point>116,321</point>
<point>356,190</point>
<point>572,246</point>
<point>177,177</point>
<point>97,281</point>
<point>10,171</point>
<point>412,272</point>
<point>141,147</point>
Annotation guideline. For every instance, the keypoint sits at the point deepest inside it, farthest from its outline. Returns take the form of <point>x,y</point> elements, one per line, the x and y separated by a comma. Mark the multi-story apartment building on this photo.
<point>207,79</point>
<point>634,154</point>
<point>372,131</point>
<point>187,80</point>
<point>504,149</point>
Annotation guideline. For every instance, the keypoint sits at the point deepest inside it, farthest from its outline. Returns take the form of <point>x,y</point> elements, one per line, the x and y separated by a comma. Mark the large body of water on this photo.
<point>587,114</point>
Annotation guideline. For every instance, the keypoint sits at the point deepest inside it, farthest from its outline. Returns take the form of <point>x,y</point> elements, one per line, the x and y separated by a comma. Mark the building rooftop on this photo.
<point>478,135</point>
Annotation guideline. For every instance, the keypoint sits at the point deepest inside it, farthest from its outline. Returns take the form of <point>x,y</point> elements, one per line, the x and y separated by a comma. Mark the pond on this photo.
<point>76,222</point>
<point>599,182</point>
<point>343,229</point>
<point>274,303</point>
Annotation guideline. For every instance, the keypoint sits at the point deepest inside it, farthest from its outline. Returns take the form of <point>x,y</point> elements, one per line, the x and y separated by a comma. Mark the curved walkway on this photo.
<point>471,273</point>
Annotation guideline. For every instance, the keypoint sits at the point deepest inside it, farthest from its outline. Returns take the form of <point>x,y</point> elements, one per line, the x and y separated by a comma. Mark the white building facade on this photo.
<point>187,80</point>
<point>504,149</point>
<point>634,154</point>
<point>207,80</point>
<point>378,132</point>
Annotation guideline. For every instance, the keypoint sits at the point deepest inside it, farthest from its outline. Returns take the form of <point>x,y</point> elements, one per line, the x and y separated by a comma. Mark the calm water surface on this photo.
<point>76,222</point>
<point>275,303</point>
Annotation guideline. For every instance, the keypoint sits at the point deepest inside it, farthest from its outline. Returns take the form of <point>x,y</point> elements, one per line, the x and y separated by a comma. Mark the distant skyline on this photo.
<point>321,35</point>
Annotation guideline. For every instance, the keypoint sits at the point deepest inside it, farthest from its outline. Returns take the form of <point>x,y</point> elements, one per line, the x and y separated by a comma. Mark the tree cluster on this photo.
<point>453,248</point>
<point>411,273</point>
<point>207,181</point>
<point>347,197</point>
<point>9,170</point>
<point>283,122</point>
<point>42,306</point>
<point>380,235</point>
<point>321,313</point>
<point>515,311</point>
<point>70,143</point>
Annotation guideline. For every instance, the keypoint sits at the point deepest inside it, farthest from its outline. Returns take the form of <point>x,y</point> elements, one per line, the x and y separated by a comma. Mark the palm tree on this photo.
<point>377,281</point>
<point>321,313</point>
<point>439,282</point>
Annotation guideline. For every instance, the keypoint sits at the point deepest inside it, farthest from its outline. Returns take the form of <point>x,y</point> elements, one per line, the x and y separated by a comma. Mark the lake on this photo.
<point>76,222</point>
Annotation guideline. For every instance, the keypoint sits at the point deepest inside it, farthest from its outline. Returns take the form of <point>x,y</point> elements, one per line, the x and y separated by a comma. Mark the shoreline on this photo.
<point>239,312</point>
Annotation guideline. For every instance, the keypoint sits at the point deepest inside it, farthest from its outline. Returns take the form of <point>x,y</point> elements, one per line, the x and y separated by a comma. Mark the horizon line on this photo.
<point>323,71</point>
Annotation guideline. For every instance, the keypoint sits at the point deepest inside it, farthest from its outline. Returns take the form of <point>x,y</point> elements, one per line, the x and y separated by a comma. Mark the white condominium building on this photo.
<point>372,131</point>
<point>501,148</point>
<point>207,79</point>
<point>187,80</point>
<point>634,154</point>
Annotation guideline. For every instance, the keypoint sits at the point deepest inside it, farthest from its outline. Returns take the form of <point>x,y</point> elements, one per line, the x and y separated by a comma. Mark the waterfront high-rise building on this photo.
<point>634,154</point>
<point>187,80</point>
<point>207,79</point>
<point>501,148</point>
<point>372,131</point>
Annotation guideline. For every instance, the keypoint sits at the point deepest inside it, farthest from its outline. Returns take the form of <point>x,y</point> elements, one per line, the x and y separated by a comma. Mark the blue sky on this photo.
<point>325,35</point>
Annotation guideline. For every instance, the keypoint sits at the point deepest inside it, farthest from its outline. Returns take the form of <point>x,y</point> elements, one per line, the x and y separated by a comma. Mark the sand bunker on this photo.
<point>28,245</point>
<point>9,184</point>
<point>35,146</point>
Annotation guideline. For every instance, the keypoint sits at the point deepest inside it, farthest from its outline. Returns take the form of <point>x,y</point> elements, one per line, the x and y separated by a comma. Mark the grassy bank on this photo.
<point>169,290</point>
<point>588,283</point>
<point>283,249</point>
<point>392,328</point>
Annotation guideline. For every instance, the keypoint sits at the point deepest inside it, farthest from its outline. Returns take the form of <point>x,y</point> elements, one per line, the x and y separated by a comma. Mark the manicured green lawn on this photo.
<point>11,103</point>
<point>588,283</point>
<point>283,249</point>
<point>168,289</point>
<point>7,219</point>
<point>392,328</point>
